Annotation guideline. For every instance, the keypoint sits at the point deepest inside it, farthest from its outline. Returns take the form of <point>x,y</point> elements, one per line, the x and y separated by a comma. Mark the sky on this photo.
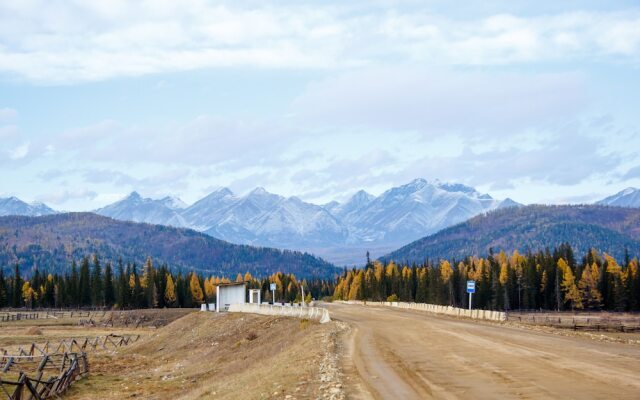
<point>536,101</point>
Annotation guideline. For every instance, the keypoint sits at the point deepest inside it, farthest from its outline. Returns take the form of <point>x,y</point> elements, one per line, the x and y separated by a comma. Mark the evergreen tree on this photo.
<point>74,285</point>
<point>97,291</point>
<point>122,293</point>
<point>149,284</point>
<point>109,291</point>
<point>3,290</point>
<point>84,285</point>
<point>17,288</point>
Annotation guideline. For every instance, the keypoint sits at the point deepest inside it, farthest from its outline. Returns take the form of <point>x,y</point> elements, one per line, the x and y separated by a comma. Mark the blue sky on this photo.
<point>537,101</point>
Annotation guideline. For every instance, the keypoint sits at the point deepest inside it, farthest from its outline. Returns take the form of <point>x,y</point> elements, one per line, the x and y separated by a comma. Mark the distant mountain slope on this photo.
<point>630,197</point>
<point>134,207</point>
<point>341,232</point>
<point>608,229</point>
<point>15,206</point>
<point>407,212</point>
<point>51,242</point>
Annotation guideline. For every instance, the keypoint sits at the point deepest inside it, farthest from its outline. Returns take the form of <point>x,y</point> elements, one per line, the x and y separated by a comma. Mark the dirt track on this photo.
<point>403,354</point>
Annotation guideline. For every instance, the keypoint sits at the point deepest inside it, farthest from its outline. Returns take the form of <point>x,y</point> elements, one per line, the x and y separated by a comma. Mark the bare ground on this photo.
<point>404,354</point>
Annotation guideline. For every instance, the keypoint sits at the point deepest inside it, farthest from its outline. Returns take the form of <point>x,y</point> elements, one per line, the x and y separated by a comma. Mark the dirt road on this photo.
<point>404,354</point>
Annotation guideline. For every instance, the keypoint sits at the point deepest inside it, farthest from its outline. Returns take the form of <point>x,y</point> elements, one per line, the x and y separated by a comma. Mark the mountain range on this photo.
<point>53,242</point>
<point>533,227</point>
<point>340,232</point>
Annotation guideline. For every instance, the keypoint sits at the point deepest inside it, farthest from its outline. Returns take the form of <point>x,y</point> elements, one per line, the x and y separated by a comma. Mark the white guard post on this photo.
<point>254,296</point>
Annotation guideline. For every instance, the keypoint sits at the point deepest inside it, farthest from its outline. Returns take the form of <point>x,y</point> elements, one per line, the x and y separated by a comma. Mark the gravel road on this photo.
<point>405,354</point>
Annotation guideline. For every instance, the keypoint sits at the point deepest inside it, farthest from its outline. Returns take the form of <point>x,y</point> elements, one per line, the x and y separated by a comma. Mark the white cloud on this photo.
<point>437,101</point>
<point>64,195</point>
<point>7,114</point>
<point>19,152</point>
<point>54,42</point>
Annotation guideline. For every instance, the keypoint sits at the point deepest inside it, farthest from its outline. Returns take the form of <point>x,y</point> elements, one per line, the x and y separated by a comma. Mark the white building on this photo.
<point>230,293</point>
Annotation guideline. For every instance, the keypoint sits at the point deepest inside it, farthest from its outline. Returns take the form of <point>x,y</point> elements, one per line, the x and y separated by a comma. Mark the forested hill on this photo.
<point>52,242</point>
<point>535,227</point>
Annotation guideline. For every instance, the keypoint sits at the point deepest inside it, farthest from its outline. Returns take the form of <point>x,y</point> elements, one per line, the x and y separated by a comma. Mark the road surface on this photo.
<point>405,354</point>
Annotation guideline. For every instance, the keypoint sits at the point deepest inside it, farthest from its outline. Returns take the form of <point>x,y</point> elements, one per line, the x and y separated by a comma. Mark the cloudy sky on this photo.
<point>538,102</point>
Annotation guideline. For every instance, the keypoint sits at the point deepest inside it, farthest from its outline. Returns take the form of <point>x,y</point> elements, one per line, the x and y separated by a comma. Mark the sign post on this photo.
<point>273,293</point>
<point>471,289</point>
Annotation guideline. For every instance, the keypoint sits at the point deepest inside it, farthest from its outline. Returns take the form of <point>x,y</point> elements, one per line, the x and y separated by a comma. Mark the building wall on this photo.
<point>227,295</point>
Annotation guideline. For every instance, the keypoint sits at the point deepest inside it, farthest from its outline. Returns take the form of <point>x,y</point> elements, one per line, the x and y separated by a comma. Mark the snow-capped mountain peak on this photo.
<point>136,208</point>
<point>14,206</point>
<point>174,203</point>
<point>629,197</point>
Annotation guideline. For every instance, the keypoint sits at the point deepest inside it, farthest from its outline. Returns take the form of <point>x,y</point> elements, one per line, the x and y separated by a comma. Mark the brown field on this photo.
<point>199,355</point>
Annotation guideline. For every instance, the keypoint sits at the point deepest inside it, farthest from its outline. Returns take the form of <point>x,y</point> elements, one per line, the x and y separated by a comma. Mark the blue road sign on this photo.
<point>471,286</point>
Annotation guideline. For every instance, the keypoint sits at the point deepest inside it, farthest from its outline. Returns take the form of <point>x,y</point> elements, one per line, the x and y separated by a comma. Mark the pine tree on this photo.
<point>122,293</point>
<point>17,288</point>
<point>137,292</point>
<point>148,283</point>
<point>109,292</point>
<point>97,291</point>
<point>3,290</point>
<point>84,283</point>
<point>74,285</point>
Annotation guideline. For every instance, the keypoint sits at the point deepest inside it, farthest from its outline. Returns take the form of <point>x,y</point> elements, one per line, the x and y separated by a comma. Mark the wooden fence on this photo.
<point>67,367</point>
<point>63,362</point>
<point>9,316</point>
<point>106,342</point>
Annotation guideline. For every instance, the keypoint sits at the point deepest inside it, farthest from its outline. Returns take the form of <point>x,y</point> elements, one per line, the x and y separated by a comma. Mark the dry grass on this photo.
<point>207,355</point>
<point>200,355</point>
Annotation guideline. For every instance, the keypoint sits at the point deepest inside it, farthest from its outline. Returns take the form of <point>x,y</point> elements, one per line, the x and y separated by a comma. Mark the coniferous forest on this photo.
<point>547,280</point>
<point>90,284</point>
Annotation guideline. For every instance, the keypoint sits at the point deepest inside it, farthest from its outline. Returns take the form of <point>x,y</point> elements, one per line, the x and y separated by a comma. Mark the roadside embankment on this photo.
<point>207,355</point>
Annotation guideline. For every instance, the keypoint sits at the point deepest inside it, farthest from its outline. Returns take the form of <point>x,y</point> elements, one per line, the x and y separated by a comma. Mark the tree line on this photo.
<point>548,280</point>
<point>89,284</point>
